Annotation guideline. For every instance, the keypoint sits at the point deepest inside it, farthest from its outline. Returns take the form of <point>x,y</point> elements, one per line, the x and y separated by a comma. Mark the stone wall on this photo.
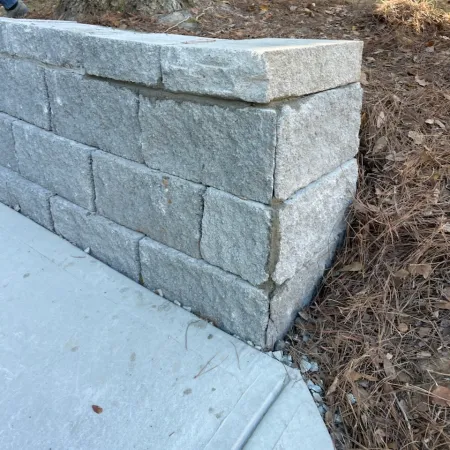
<point>217,173</point>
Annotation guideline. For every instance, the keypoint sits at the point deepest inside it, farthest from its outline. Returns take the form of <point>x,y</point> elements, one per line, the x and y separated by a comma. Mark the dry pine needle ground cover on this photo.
<point>380,326</point>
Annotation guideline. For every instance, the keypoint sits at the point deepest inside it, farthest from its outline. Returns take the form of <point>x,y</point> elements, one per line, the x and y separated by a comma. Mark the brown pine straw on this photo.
<point>382,331</point>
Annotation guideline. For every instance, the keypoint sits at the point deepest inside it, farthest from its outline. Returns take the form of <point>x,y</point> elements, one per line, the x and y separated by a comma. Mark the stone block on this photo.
<point>230,302</point>
<point>296,293</point>
<point>317,134</point>
<point>313,220</point>
<point>37,39</point>
<point>61,165</point>
<point>229,148</point>
<point>113,244</point>
<point>7,177</point>
<point>96,113</point>
<point>236,235</point>
<point>33,201</point>
<point>166,208</point>
<point>8,156</point>
<point>260,70</point>
<point>127,55</point>
<point>24,91</point>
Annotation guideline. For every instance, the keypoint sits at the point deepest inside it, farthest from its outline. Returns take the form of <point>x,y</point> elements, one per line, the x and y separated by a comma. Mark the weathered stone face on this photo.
<point>217,173</point>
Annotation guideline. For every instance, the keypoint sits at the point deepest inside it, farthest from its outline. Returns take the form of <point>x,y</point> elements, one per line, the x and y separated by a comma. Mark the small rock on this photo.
<point>337,418</point>
<point>180,19</point>
<point>177,303</point>
<point>87,250</point>
<point>258,347</point>
<point>322,410</point>
<point>305,365</point>
<point>279,345</point>
<point>250,343</point>
<point>314,367</point>
<point>187,308</point>
<point>317,397</point>
<point>16,208</point>
<point>351,398</point>
<point>278,355</point>
<point>159,292</point>
<point>313,387</point>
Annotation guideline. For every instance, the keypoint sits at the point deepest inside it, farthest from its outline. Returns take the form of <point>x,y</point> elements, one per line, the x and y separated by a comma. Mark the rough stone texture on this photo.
<point>36,40</point>
<point>166,208</point>
<point>60,165</point>
<point>95,113</point>
<point>24,92</point>
<point>8,156</point>
<point>33,201</point>
<point>113,244</point>
<point>6,178</point>
<point>316,135</point>
<point>126,55</point>
<point>231,303</point>
<point>260,70</point>
<point>236,235</point>
<point>313,220</point>
<point>295,294</point>
<point>229,148</point>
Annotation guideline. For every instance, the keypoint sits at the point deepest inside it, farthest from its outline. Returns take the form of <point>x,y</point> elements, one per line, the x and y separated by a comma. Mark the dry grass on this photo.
<point>419,15</point>
<point>382,331</point>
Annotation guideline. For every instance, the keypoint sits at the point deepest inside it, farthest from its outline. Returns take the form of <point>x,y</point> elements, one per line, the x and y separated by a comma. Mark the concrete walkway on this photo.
<point>91,360</point>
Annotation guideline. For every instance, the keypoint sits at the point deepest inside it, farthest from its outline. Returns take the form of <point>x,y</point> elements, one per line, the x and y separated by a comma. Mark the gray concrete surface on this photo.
<point>76,336</point>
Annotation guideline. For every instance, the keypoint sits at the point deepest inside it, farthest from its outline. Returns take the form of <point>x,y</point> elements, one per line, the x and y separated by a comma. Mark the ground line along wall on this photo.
<point>217,173</point>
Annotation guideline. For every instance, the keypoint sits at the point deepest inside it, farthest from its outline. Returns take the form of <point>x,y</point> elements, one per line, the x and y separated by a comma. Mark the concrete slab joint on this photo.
<point>217,173</point>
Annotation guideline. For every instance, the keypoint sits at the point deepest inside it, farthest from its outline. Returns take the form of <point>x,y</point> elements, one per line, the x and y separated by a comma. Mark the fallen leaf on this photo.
<point>446,227</point>
<point>353,267</point>
<point>441,396</point>
<point>97,409</point>
<point>420,269</point>
<point>333,386</point>
<point>423,355</point>
<point>389,368</point>
<point>439,124</point>
<point>380,144</point>
<point>446,293</point>
<point>355,376</point>
<point>429,121</point>
<point>421,82</point>
<point>401,274</point>
<point>264,8</point>
<point>417,137</point>
<point>363,79</point>
<point>424,332</point>
<point>381,119</point>
<point>403,327</point>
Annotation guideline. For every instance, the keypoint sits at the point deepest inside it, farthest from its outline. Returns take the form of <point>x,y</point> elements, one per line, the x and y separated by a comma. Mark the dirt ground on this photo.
<point>380,325</point>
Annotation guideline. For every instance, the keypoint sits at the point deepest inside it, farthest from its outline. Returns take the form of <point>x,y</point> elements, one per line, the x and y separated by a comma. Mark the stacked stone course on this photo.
<point>216,172</point>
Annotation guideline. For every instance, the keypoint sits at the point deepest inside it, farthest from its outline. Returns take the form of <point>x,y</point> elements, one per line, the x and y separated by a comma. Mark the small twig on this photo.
<point>205,366</point>
<point>237,355</point>
<point>186,332</point>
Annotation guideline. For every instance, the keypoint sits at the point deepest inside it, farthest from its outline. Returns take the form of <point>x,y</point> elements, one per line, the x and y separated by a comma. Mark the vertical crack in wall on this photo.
<point>49,105</point>
<point>94,190</point>
<point>275,236</point>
